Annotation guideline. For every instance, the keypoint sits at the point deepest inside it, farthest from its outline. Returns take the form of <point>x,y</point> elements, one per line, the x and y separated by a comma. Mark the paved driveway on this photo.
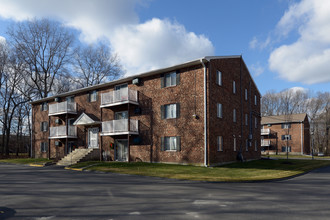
<point>53,193</point>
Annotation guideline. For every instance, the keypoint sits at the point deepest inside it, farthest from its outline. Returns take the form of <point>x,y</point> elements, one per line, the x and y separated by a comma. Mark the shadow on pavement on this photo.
<point>6,213</point>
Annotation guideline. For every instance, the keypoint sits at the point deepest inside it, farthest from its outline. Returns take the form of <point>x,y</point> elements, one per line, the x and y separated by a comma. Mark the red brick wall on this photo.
<point>225,127</point>
<point>300,142</point>
<point>190,94</point>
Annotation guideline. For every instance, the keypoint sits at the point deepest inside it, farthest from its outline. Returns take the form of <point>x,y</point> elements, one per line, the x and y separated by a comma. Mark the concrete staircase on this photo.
<point>79,155</point>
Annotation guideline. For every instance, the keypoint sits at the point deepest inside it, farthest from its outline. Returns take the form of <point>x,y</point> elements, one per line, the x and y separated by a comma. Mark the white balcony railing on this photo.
<point>265,143</point>
<point>265,131</point>
<point>60,132</point>
<point>116,127</point>
<point>62,108</point>
<point>118,97</point>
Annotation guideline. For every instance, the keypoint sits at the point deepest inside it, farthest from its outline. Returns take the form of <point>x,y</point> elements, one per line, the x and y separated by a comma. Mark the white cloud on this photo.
<point>2,40</point>
<point>307,59</point>
<point>157,43</point>
<point>141,46</point>
<point>257,69</point>
<point>255,43</point>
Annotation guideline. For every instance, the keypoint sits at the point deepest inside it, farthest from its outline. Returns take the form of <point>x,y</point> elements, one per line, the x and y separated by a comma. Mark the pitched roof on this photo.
<point>87,119</point>
<point>149,73</point>
<point>279,119</point>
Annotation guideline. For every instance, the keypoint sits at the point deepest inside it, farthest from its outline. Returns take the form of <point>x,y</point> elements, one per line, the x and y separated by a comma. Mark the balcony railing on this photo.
<point>62,108</point>
<point>61,132</point>
<point>118,97</point>
<point>265,143</point>
<point>118,127</point>
<point>265,131</point>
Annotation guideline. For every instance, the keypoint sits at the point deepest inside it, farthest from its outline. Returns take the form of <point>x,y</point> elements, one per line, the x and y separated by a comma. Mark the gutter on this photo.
<point>205,116</point>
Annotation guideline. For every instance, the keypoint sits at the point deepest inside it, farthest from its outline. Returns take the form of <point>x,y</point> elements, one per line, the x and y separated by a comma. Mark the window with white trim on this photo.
<point>170,79</point>
<point>286,126</point>
<point>44,126</point>
<point>44,106</point>
<point>220,143</point>
<point>93,96</point>
<point>219,110</point>
<point>234,87</point>
<point>43,147</point>
<point>219,78</point>
<point>234,115</point>
<point>170,111</point>
<point>234,144</point>
<point>170,143</point>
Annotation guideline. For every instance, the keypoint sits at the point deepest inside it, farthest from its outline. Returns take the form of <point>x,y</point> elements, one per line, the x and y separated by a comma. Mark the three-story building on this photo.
<point>203,112</point>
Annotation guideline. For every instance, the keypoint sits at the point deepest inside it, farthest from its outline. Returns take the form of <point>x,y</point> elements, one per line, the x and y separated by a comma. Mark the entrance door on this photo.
<point>121,150</point>
<point>93,137</point>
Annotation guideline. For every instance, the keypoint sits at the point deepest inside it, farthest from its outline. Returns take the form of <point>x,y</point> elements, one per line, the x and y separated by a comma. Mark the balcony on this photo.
<point>62,108</point>
<point>120,127</point>
<point>119,97</point>
<point>265,143</point>
<point>61,132</point>
<point>265,131</point>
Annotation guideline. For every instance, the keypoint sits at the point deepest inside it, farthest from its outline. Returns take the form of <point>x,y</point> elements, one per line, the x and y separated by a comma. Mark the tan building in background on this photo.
<point>283,133</point>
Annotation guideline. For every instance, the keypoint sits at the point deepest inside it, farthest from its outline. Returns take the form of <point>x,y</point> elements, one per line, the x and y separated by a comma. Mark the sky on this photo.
<point>285,43</point>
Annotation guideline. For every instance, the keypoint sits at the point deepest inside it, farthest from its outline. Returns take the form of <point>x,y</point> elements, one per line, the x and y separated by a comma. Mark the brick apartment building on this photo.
<point>202,112</point>
<point>281,131</point>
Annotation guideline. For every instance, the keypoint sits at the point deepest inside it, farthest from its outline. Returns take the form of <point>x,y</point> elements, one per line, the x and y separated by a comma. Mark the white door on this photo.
<point>121,150</point>
<point>93,137</point>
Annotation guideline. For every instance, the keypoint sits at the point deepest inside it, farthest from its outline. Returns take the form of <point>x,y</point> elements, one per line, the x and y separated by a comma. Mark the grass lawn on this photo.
<point>236,172</point>
<point>26,161</point>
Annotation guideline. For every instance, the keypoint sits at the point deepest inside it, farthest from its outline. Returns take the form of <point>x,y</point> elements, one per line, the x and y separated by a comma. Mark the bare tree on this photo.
<point>44,46</point>
<point>10,96</point>
<point>95,65</point>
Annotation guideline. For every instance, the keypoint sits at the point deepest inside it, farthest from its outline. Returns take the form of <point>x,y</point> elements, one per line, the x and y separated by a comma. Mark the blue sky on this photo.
<point>284,43</point>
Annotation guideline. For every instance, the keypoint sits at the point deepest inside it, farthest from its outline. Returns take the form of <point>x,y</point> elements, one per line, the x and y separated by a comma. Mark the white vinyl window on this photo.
<point>93,96</point>
<point>43,147</point>
<point>234,115</point>
<point>44,106</point>
<point>220,143</point>
<point>234,144</point>
<point>44,126</point>
<point>219,110</point>
<point>219,78</point>
<point>170,79</point>
<point>170,143</point>
<point>234,87</point>
<point>170,111</point>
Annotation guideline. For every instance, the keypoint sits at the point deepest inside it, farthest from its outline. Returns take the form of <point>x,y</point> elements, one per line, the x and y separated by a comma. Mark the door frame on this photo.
<point>97,137</point>
<point>116,145</point>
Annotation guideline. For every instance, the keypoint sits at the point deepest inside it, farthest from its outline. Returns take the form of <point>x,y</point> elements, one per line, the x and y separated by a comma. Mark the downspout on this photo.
<point>301,138</point>
<point>31,151</point>
<point>205,116</point>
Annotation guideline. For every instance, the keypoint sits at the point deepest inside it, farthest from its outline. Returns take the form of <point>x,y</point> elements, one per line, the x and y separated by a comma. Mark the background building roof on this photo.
<point>279,119</point>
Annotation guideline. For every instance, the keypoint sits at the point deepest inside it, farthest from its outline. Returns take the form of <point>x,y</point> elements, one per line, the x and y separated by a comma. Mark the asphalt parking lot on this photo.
<point>54,193</point>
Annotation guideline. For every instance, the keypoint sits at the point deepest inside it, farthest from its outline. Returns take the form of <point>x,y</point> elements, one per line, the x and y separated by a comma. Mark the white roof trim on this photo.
<point>84,119</point>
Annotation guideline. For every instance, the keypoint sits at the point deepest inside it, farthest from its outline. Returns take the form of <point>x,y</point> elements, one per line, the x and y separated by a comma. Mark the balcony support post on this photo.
<point>128,144</point>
